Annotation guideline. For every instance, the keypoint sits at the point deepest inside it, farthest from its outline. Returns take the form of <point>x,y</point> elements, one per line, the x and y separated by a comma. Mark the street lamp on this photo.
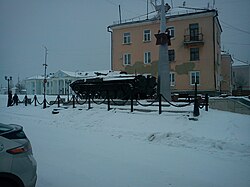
<point>45,80</point>
<point>9,93</point>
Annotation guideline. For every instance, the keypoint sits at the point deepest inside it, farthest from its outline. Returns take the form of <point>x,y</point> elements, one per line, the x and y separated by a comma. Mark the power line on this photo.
<point>240,60</point>
<point>235,43</point>
<point>235,28</point>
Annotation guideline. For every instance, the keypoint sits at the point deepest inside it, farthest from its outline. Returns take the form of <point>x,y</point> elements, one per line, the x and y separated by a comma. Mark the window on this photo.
<point>147,35</point>
<point>194,31</point>
<point>194,54</point>
<point>127,59</point>
<point>126,38</point>
<point>171,55</point>
<point>194,77</point>
<point>172,79</point>
<point>171,31</point>
<point>147,57</point>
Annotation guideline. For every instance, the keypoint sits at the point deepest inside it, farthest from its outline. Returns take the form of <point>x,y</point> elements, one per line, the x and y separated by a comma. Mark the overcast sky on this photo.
<point>75,32</point>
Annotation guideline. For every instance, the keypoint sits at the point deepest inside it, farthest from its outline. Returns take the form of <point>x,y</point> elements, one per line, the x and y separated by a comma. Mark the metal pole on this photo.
<point>8,90</point>
<point>131,97</point>
<point>163,63</point>
<point>147,9</point>
<point>196,111</point>
<point>120,15</point>
<point>8,93</point>
<point>206,102</point>
<point>108,100</point>
<point>45,81</point>
<point>89,103</point>
<point>73,101</point>
<point>35,98</point>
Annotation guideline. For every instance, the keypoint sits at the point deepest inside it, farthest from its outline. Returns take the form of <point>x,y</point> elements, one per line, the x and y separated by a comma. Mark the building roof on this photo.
<point>77,74</point>
<point>238,63</point>
<point>171,15</point>
<point>36,77</point>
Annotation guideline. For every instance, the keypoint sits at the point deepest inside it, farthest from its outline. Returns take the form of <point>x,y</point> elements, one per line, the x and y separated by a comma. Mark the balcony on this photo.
<point>193,40</point>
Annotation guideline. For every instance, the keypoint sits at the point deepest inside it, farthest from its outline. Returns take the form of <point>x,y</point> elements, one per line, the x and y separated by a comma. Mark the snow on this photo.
<point>96,147</point>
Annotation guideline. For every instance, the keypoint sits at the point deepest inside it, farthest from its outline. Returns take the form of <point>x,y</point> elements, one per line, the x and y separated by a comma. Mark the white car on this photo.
<point>17,164</point>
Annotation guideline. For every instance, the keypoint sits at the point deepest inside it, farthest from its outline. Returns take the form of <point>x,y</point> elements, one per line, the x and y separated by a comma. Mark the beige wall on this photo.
<point>226,74</point>
<point>208,64</point>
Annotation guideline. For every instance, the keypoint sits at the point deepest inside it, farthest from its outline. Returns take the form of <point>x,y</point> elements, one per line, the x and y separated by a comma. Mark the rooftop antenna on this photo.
<point>147,9</point>
<point>172,5</point>
<point>120,15</point>
<point>157,6</point>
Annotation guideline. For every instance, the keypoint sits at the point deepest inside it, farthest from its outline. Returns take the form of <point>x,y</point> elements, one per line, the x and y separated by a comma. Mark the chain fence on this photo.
<point>99,99</point>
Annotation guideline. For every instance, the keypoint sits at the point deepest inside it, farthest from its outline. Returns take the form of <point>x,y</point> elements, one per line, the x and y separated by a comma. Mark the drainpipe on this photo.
<point>215,82</point>
<point>214,53</point>
<point>111,55</point>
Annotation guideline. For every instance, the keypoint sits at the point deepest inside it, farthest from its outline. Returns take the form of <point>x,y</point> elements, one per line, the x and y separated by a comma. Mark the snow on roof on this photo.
<point>108,75</point>
<point>36,77</point>
<point>239,63</point>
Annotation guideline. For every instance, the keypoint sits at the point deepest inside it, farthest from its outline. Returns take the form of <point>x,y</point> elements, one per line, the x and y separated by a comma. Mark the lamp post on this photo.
<point>45,80</point>
<point>9,93</point>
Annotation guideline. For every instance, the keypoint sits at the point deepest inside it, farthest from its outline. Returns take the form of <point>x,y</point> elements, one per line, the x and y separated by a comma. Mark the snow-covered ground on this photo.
<point>100,148</point>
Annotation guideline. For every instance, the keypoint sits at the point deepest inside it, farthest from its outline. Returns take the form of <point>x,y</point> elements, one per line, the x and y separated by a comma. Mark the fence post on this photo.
<point>131,97</point>
<point>196,105</point>
<point>25,100</point>
<point>206,102</point>
<point>58,100</point>
<point>159,93</point>
<point>108,100</point>
<point>160,107</point>
<point>35,99</point>
<point>89,101</point>
<point>73,96</point>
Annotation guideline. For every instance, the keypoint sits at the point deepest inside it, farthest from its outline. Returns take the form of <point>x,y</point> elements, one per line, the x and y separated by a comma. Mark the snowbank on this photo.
<point>96,147</point>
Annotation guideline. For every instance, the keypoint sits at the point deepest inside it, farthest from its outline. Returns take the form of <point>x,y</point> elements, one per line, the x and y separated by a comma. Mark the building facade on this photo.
<point>226,74</point>
<point>58,83</point>
<point>194,53</point>
<point>241,78</point>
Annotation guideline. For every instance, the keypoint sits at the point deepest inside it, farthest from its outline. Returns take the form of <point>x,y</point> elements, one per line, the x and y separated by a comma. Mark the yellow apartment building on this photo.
<point>194,53</point>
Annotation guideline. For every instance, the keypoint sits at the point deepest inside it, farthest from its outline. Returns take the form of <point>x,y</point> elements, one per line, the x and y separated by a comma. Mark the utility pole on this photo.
<point>45,75</point>
<point>163,63</point>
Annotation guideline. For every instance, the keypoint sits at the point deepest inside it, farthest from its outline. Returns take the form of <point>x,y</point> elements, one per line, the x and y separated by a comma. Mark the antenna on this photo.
<point>147,9</point>
<point>172,5</point>
<point>120,15</point>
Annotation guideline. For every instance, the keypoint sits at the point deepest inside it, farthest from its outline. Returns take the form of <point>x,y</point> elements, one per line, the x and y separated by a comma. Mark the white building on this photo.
<point>57,83</point>
<point>241,77</point>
